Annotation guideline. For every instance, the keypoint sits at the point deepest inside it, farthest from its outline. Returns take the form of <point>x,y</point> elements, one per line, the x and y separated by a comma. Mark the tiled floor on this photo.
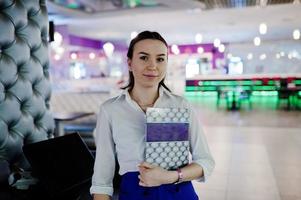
<point>257,152</point>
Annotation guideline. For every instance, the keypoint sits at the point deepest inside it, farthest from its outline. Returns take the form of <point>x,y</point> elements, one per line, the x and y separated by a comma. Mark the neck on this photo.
<point>145,97</point>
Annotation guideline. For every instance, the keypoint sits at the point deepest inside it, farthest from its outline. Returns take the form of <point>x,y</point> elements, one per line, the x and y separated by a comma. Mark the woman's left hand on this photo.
<point>151,175</point>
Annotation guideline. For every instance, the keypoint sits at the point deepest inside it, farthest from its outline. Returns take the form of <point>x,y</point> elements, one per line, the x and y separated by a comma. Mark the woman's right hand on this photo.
<point>151,175</point>
<point>101,197</point>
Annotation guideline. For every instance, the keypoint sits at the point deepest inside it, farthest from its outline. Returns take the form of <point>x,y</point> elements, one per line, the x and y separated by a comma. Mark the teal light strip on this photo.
<point>265,93</point>
<point>200,88</point>
<point>264,87</point>
<point>229,83</point>
<point>199,93</point>
<point>271,82</point>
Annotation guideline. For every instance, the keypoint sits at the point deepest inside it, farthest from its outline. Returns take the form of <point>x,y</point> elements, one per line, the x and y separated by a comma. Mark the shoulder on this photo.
<point>177,99</point>
<point>111,102</point>
<point>109,107</point>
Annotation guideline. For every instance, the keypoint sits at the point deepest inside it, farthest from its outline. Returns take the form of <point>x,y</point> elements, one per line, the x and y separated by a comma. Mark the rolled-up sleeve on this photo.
<point>199,147</point>
<point>104,167</point>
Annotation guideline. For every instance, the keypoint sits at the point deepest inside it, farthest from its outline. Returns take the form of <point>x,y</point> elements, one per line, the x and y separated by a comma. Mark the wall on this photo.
<point>271,64</point>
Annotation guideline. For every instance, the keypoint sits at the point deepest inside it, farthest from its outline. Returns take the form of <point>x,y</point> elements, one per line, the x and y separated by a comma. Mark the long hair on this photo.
<point>143,36</point>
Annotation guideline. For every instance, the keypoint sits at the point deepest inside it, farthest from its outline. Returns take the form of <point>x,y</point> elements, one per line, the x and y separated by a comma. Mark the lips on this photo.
<point>150,75</point>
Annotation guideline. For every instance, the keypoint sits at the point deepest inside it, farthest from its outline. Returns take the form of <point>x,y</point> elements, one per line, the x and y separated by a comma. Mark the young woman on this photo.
<point>120,132</point>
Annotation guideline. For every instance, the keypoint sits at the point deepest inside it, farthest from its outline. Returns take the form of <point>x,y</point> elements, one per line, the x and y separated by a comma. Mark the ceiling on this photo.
<point>179,20</point>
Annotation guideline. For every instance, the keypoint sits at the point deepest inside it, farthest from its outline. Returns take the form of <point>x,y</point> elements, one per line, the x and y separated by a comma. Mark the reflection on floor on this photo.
<point>257,152</point>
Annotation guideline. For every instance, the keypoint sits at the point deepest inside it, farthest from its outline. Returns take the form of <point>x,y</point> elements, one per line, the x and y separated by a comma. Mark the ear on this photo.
<point>129,61</point>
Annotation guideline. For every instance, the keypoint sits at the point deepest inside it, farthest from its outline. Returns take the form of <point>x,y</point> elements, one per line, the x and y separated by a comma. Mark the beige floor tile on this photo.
<point>216,182</point>
<point>264,148</point>
<point>290,197</point>
<point>251,196</point>
<point>252,184</point>
<point>285,171</point>
<point>289,186</point>
<point>212,195</point>
<point>251,169</point>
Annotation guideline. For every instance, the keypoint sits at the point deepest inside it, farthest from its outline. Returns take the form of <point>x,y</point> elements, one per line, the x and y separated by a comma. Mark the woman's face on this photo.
<point>149,63</point>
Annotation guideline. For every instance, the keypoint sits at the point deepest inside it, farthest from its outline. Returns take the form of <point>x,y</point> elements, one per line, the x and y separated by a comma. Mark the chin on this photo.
<point>150,85</point>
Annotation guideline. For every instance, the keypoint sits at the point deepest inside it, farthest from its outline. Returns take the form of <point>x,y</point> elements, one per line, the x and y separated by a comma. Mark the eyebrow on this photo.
<point>162,54</point>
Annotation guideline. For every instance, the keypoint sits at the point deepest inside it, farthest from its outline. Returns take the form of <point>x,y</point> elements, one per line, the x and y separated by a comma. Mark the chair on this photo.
<point>284,94</point>
<point>245,95</point>
<point>298,100</point>
<point>24,80</point>
<point>222,94</point>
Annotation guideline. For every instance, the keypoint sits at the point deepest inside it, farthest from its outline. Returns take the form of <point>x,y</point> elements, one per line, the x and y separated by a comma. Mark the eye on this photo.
<point>160,59</point>
<point>143,58</point>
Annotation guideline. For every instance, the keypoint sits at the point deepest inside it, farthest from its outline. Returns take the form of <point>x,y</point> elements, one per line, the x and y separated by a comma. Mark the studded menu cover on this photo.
<point>167,142</point>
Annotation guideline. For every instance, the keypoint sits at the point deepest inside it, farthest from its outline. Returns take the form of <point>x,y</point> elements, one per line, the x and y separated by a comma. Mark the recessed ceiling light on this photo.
<point>108,48</point>
<point>175,49</point>
<point>73,56</point>
<point>133,34</point>
<point>198,38</point>
<point>250,56</point>
<point>282,53</point>
<point>221,48</point>
<point>262,56</point>
<point>216,42</point>
<point>295,54</point>
<point>200,50</point>
<point>57,57</point>
<point>257,41</point>
<point>296,34</point>
<point>92,55</point>
<point>263,28</point>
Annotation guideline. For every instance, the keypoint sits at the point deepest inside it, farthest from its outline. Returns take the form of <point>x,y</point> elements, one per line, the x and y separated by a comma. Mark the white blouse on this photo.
<point>120,133</point>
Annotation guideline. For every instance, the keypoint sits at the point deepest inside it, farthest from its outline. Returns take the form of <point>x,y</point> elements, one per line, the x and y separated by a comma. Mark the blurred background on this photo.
<point>237,61</point>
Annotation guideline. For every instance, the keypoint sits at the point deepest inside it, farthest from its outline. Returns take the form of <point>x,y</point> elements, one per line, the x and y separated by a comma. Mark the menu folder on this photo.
<point>167,143</point>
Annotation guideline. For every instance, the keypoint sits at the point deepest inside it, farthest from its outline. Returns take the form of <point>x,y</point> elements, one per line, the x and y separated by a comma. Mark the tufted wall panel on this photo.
<point>24,79</point>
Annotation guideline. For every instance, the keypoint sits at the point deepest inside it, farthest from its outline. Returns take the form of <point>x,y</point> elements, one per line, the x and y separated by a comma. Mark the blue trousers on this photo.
<point>131,190</point>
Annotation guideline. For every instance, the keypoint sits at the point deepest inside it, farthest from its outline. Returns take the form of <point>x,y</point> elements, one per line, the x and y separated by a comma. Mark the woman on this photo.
<point>120,132</point>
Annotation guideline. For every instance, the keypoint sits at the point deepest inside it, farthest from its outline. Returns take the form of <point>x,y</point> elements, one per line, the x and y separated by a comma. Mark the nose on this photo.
<point>152,64</point>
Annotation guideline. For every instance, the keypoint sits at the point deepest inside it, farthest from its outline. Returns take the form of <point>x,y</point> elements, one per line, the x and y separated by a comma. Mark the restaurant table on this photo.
<point>233,93</point>
<point>60,118</point>
<point>290,94</point>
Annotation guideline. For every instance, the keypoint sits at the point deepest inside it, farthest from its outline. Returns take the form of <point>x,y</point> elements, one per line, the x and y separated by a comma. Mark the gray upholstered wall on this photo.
<point>24,79</point>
